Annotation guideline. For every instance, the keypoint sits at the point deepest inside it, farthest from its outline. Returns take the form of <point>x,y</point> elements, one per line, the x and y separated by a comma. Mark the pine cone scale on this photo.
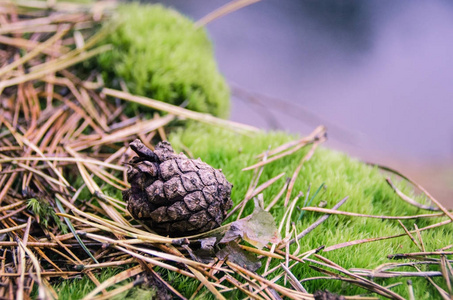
<point>168,169</point>
<point>186,165</point>
<point>195,201</point>
<point>191,182</point>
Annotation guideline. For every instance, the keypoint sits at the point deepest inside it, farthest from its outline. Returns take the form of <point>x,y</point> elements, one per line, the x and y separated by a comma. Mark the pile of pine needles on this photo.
<point>63,149</point>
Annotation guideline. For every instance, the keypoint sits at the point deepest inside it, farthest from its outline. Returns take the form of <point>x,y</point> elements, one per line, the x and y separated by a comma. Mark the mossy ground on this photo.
<point>368,194</point>
<point>367,190</point>
<point>78,288</point>
<point>162,55</point>
<point>159,54</point>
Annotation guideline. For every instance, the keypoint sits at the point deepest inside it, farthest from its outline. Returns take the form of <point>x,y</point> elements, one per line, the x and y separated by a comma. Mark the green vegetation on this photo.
<point>78,288</point>
<point>46,213</point>
<point>368,194</point>
<point>161,54</point>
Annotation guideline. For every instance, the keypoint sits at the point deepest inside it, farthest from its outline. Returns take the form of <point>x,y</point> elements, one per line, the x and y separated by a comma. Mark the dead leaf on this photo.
<point>203,250</point>
<point>240,257</point>
<point>258,229</point>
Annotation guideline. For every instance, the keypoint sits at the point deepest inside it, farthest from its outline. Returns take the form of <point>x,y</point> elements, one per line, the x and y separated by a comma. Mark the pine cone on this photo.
<point>175,195</point>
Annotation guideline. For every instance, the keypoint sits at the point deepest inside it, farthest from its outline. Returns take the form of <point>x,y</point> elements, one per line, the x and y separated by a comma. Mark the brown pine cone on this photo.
<point>175,195</point>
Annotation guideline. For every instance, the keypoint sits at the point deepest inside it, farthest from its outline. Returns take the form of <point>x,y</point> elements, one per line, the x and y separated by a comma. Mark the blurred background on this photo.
<point>377,73</point>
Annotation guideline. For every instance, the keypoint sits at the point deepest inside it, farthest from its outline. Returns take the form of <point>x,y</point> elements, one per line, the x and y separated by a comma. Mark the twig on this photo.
<point>224,10</point>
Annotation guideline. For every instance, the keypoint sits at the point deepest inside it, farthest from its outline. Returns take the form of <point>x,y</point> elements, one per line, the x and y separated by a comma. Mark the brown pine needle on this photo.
<point>408,255</point>
<point>2,231</point>
<point>410,235</point>
<point>261,252</point>
<point>441,291</point>
<point>351,214</point>
<point>117,291</point>
<point>296,172</point>
<point>446,248</point>
<point>10,206</point>
<point>6,159</point>
<point>64,64</point>
<point>169,287</point>
<point>265,185</point>
<point>155,262</point>
<point>445,273</point>
<point>293,280</point>
<point>380,289</point>
<point>408,199</point>
<point>357,242</point>
<point>115,279</point>
<point>280,289</point>
<point>237,284</point>
<point>317,135</point>
<point>254,191</point>
<point>317,223</point>
<point>64,29</point>
<point>179,111</point>
<point>206,283</point>
<point>224,10</point>
<point>420,240</point>
<point>143,127</point>
<point>43,274</point>
<point>434,200</point>
<point>278,196</point>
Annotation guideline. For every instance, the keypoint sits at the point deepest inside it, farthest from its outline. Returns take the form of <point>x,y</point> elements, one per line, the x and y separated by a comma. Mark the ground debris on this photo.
<point>326,295</point>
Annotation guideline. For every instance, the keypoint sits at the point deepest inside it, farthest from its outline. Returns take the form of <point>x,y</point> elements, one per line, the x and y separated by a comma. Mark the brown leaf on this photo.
<point>240,257</point>
<point>258,229</point>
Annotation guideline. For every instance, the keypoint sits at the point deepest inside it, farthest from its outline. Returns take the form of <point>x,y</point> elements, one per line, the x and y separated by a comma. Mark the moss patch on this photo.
<point>80,287</point>
<point>366,187</point>
<point>367,190</point>
<point>161,54</point>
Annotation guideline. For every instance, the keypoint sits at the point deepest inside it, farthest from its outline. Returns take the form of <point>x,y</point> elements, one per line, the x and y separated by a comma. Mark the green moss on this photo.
<point>366,187</point>
<point>161,54</point>
<point>46,213</point>
<point>343,176</point>
<point>80,287</point>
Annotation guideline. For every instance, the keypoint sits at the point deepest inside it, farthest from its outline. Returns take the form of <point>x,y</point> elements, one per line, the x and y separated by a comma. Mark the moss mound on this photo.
<point>161,54</point>
<point>343,176</point>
